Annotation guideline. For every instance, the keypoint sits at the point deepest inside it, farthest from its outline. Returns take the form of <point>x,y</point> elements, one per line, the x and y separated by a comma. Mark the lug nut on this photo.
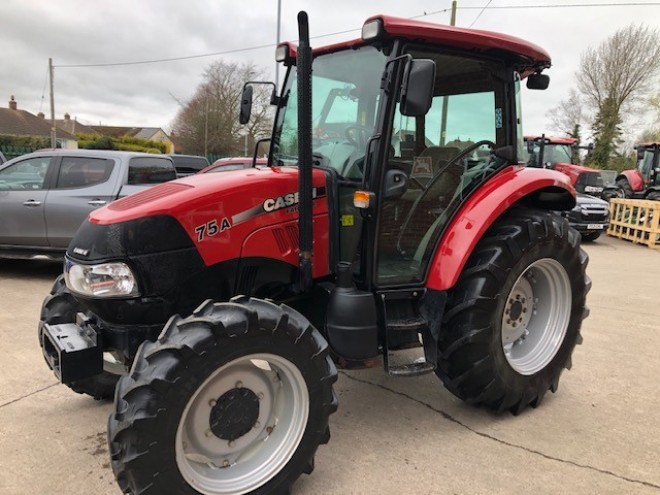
<point>269,429</point>
<point>239,384</point>
<point>230,443</point>
<point>208,433</point>
<point>260,395</point>
<point>213,402</point>
<point>225,463</point>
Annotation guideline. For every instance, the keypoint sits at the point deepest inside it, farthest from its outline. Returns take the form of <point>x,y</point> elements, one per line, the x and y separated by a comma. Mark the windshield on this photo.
<point>345,89</point>
<point>552,153</point>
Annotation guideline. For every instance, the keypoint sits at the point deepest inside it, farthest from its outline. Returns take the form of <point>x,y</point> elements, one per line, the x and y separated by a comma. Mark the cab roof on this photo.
<point>526,56</point>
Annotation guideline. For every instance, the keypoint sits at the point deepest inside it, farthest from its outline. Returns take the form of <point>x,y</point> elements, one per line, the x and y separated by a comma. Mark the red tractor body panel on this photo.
<point>573,171</point>
<point>479,212</point>
<point>236,213</point>
<point>635,179</point>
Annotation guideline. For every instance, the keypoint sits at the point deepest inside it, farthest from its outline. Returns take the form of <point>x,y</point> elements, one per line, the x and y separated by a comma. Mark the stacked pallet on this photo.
<point>635,220</point>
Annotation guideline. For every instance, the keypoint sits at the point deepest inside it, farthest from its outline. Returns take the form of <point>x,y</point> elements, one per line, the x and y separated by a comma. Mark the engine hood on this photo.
<point>226,215</point>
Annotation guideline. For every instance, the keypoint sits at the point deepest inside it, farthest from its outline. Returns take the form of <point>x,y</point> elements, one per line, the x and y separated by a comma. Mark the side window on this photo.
<point>27,175</point>
<point>77,172</point>
<point>147,170</point>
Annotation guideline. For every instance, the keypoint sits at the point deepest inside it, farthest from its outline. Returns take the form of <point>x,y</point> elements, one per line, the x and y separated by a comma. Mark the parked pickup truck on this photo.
<point>45,196</point>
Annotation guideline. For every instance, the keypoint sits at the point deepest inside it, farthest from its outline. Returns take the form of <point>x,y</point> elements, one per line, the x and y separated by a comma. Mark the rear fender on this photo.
<point>634,178</point>
<point>530,187</point>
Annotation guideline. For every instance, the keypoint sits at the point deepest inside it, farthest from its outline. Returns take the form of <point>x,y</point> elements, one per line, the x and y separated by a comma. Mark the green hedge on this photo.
<point>124,143</point>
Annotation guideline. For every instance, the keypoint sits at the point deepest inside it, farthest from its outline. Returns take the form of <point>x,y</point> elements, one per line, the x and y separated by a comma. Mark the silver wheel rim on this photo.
<point>214,466</point>
<point>536,316</point>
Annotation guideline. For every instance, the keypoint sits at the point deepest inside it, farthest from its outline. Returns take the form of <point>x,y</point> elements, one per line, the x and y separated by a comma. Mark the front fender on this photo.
<point>531,187</point>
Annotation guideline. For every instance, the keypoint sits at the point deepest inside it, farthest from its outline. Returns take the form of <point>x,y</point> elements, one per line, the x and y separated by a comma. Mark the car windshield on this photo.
<point>345,89</point>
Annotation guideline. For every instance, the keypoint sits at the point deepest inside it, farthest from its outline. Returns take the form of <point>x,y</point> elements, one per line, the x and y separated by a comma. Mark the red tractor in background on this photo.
<point>394,213</point>
<point>644,181</point>
<point>556,153</point>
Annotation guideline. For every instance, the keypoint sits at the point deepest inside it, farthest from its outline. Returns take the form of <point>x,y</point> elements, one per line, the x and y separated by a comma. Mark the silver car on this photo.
<point>45,196</point>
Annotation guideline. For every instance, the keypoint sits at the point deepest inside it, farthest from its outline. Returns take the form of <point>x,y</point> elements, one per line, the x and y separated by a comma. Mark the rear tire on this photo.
<point>526,255</point>
<point>591,236</point>
<point>624,185</point>
<point>261,370</point>
<point>61,307</point>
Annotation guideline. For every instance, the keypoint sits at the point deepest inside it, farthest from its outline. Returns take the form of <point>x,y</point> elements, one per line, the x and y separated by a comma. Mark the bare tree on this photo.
<point>568,114</point>
<point>617,73</point>
<point>208,122</point>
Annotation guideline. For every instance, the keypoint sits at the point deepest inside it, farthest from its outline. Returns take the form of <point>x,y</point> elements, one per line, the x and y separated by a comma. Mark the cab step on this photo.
<point>415,368</point>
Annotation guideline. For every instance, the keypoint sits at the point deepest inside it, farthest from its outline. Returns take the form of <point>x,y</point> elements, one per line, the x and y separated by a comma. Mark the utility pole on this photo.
<point>277,64</point>
<point>53,132</point>
<point>445,100</point>
<point>206,127</point>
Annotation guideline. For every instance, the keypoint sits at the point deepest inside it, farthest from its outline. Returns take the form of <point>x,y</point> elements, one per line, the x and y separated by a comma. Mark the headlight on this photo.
<point>104,280</point>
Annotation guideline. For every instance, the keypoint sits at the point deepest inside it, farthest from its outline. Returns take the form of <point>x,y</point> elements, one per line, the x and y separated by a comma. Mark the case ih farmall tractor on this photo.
<point>556,153</point>
<point>393,214</point>
<point>644,181</point>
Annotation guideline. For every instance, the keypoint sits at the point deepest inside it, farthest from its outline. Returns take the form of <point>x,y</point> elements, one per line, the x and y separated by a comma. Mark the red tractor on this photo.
<point>557,153</point>
<point>644,181</point>
<point>393,214</point>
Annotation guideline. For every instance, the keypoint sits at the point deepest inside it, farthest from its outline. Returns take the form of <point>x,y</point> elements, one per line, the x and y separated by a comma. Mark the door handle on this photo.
<point>32,202</point>
<point>96,202</point>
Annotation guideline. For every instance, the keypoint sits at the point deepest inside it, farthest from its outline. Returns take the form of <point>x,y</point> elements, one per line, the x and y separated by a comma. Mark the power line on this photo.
<point>425,14</point>
<point>479,14</point>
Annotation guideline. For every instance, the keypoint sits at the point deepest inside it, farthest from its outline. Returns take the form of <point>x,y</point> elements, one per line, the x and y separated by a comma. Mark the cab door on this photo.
<point>445,155</point>
<point>22,201</point>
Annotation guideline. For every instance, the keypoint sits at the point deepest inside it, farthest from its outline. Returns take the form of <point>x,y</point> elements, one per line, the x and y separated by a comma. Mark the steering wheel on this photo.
<point>466,151</point>
<point>357,135</point>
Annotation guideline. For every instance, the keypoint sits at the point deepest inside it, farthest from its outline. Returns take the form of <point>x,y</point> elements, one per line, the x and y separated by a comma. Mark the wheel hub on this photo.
<point>234,414</point>
<point>536,316</point>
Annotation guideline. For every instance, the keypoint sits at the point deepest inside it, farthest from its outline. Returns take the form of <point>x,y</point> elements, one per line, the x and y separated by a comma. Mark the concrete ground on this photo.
<point>598,434</point>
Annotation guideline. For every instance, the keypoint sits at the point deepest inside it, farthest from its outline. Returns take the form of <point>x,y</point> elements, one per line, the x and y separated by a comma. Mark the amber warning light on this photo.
<point>361,199</point>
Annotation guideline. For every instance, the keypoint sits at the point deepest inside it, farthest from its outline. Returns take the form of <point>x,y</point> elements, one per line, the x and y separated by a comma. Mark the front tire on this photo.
<point>234,399</point>
<point>653,196</point>
<point>61,307</point>
<point>514,316</point>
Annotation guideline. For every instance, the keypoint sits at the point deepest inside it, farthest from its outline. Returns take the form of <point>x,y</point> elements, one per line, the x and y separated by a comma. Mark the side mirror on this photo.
<point>538,81</point>
<point>246,105</point>
<point>640,153</point>
<point>530,146</point>
<point>417,87</point>
<point>396,183</point>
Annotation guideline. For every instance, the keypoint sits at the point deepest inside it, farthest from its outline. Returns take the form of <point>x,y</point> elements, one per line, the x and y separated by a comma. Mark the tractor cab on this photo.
<point>647,164</point>
<point>411,118</point>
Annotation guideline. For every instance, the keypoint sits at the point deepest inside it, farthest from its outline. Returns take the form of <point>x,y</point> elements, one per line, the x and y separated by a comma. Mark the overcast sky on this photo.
<point>104,31</point>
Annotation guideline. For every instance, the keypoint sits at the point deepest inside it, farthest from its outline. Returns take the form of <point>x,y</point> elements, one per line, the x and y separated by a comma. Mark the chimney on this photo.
<point>41,115</point>
<point>67,116</point>
<point>12,103</point>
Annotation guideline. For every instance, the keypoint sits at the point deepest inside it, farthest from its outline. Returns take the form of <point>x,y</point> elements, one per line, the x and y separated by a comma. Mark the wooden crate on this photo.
<point>635,220</point>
